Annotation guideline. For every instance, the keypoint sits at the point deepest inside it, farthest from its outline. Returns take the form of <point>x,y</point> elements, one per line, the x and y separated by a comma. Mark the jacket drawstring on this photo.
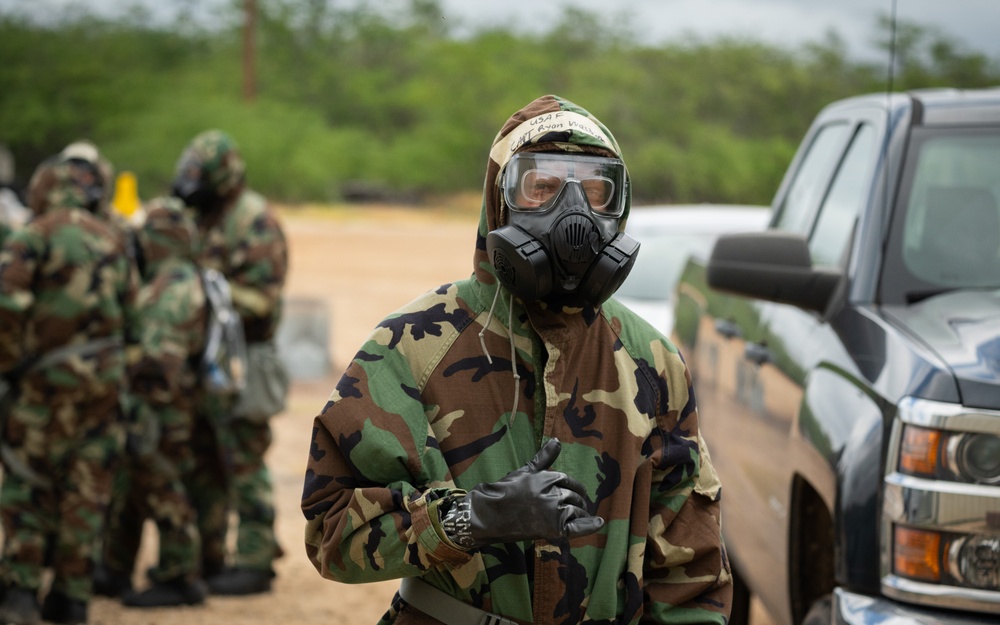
<point>489,320</point>
<point>513,350</point>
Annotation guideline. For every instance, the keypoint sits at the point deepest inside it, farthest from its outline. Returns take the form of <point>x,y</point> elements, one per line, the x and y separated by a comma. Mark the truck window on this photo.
<point>947,233</point>
<point>952,232</point>
<point>843,203</point>
<point>798,207</point>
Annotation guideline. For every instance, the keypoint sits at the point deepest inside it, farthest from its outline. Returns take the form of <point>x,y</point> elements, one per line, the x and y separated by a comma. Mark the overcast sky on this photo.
<point>784,22</point>
<point>973,23</point>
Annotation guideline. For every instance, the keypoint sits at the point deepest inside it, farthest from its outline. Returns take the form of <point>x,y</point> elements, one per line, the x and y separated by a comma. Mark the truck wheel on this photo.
<point>820,613</point>
<point>740,613</point>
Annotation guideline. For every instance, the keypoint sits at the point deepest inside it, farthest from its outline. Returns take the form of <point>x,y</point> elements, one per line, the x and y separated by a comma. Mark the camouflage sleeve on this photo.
<point>258,267</point>
<point>18,262</point>
<point>687,576</point>
<point>375,477</point>
<point>130,305</point>
<point>166,319</point>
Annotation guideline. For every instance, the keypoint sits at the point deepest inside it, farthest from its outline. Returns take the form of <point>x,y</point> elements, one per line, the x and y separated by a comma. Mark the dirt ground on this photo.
<point>362,263</point>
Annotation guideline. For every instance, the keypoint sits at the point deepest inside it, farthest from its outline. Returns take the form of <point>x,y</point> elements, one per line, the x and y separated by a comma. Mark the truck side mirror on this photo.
<point>772,265</point>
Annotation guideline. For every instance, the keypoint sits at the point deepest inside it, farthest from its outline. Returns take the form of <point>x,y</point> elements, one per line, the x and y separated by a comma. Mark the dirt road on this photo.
<point>363,263</point>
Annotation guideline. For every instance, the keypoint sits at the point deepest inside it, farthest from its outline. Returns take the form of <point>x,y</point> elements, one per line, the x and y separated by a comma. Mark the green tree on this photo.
<point>351,96</point>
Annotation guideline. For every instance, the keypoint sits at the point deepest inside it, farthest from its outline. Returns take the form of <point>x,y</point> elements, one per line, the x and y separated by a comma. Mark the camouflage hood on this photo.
<point>212,160</point>
<point>548,124</point>
<point>168,232</point>
<point>65,183</point>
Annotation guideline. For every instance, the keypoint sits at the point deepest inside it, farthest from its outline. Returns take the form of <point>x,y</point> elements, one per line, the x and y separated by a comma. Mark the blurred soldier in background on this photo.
<point>163,376</point>
<point>85,150</point>
<point>242,239</point>
<point>67,295</point>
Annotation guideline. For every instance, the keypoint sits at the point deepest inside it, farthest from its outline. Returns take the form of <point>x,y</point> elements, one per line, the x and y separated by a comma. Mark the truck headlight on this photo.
<point>932,556</point>
<point>946,455</point>
<point>975,561</point>
<point>940,525</point>
<point>976,456</point>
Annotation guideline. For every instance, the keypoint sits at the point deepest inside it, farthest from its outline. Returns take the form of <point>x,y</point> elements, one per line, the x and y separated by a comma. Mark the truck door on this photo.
<point>768,364</point>
<point>794,345</point>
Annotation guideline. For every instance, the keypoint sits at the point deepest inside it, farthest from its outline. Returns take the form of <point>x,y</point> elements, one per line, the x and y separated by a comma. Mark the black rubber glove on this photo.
<point>530,503</point>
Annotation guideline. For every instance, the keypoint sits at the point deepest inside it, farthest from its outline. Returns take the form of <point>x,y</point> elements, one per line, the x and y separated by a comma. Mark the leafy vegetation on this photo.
<point>352,99</point>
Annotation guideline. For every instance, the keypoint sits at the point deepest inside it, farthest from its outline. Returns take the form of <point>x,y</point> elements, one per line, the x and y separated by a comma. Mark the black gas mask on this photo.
<point>562,234</point>
<point>88,178</point>
<point>192,184</point>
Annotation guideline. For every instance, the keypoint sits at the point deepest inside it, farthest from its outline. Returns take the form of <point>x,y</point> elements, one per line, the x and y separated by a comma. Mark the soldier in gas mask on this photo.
<point>67,300</point>
<point>243,240</point>
<point>164,382</point>
<point>518,446</point>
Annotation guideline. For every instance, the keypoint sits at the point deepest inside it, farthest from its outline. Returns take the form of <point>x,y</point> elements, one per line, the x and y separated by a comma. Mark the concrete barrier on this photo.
<point>303,338</point>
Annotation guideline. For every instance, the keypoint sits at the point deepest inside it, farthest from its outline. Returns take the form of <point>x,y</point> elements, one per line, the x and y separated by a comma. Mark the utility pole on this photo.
<point>249,50</point>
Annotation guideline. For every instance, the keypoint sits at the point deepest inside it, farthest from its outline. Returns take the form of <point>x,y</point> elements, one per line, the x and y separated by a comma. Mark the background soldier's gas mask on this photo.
<point>209,172</point>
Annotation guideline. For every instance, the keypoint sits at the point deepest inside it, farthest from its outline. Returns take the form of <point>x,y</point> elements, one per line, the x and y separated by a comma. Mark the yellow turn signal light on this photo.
<point>917,554</point>
<point>920,452</point>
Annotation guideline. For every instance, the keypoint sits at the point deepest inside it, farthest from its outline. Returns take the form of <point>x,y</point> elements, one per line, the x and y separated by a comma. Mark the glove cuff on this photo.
<point>456,522</point>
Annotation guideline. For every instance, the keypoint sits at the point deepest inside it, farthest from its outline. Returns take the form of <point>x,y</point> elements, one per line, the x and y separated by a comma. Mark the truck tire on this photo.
<point>820,613</point>
<point>740,612</point>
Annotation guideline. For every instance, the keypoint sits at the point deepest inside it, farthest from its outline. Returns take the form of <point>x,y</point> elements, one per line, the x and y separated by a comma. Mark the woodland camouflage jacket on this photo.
<point>173,315</point>
<point>422,412</point>
<point>66,281</point>
<point>246,244</point>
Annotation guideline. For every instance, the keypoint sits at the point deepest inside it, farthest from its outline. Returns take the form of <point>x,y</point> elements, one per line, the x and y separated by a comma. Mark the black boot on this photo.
<point>111,583</point>
<point>170,593</point>
<point>20,606</point>
<point>211,568</point>
<point>64,610</point>
<point>241,581</point>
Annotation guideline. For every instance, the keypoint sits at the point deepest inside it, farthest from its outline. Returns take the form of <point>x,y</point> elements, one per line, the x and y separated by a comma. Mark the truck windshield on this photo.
<point>946,233</point>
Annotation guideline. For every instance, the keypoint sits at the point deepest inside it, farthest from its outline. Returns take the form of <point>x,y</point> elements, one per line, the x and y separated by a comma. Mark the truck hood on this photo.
<point>963,328</point>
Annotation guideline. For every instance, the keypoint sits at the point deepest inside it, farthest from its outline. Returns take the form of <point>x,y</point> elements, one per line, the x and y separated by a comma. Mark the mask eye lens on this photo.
<point>599,192</point>
<point>533,182</point>
<point>538,187</point>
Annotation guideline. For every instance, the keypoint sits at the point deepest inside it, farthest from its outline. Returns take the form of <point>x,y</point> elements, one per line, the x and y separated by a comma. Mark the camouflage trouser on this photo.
<point>253,494</point>
<point>72,440</point>
<point>230,476</point>
<point>123,528</point>
<point>152,486</point>
<point>208,488</point>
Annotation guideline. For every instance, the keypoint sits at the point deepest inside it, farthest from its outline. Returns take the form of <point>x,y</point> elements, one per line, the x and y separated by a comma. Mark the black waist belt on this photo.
<point>444,607</point>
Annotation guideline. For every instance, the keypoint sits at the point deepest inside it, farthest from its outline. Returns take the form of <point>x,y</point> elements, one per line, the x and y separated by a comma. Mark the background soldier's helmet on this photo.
<point>209,169</point>
<point>60,182</point>
<point>167,232</point>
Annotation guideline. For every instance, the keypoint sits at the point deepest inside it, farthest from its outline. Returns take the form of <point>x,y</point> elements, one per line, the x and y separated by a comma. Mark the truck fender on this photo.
<point>840,439</point>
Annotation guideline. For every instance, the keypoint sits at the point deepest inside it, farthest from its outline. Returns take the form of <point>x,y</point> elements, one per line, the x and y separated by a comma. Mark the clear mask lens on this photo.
<point>532,181</point>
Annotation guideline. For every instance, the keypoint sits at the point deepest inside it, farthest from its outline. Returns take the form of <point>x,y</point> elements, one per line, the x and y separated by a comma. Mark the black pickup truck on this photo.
<point>846,363</point>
